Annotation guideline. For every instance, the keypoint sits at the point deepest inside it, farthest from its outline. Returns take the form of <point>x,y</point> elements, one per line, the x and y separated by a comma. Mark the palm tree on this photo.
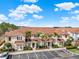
<point>28,36</point>
<point>45,37</point>
<point>69,41</point>
<point>56,34</point>
<point>51,36</point>
<point>38,34</point>
<point>71,38</point>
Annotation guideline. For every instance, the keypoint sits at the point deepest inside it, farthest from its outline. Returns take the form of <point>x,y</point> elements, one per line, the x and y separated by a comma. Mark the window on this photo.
<point>9,38</point>
<point>19,37</point>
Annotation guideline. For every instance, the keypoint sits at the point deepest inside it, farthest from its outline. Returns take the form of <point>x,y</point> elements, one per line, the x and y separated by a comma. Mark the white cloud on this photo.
<point>3,18</point>
<point>68,19</point>
<point>66,5</point>
<point>37,16</point>
<point>22,10</point>
<point>33,1</point>
<point>77,4</point>
<point>75,12</point>
<point>24,23</point>
<point>30,20</point>
<point>56,9</point>
<point>75,17</point>
<point>42,25</point>
<point>16,16</point>
<point>64,19</point>
<point>48,25</point>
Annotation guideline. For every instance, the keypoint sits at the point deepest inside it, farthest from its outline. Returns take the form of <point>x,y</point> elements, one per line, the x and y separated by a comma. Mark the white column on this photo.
<point>34,46</point>
<point>50,44</point>
<point>56,40</point>
<point>31,44</point>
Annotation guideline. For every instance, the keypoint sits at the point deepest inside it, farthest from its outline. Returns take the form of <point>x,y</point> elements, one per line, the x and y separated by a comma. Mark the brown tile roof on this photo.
<point>46,30</point>
<point>45,40</point>
<point>19,42</point>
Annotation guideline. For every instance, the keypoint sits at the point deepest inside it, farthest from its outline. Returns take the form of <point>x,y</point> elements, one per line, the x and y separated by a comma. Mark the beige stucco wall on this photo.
<point>13,39</point>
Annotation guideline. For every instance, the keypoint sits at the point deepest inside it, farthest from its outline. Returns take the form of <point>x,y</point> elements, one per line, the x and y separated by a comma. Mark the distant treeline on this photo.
<point>7,27</point>
<point>62,27</point>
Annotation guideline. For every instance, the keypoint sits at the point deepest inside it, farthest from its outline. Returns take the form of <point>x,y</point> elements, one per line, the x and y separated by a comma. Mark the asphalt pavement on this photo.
<point>45,55</point>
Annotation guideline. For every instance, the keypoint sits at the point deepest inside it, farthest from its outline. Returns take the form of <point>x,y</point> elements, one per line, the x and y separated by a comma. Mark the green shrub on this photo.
<point>68,42</point>
<point>71,47</point>
<point>42,46</point>
<point>7,46</point>
<point>27,48</point>
<point>5,50</point>
<point>55,46</point>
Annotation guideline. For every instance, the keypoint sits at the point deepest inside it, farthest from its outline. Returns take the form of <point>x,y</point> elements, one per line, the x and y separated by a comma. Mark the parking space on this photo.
<point>60,54</point>
<point>54,53</point>
<point>49,55</point>
<point>32,56</point>
<point>40,55</point>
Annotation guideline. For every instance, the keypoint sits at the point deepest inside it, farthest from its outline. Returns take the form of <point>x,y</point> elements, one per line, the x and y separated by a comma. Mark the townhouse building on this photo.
<point>18,40</point>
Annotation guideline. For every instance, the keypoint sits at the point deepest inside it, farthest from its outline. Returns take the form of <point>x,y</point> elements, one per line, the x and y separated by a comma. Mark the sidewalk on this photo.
<point>32,51</point>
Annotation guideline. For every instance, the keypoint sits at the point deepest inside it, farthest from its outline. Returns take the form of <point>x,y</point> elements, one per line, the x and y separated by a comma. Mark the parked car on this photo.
<point>4,55</point>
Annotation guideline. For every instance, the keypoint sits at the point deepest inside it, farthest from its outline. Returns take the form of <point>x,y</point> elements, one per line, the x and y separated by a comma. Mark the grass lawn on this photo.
<point>74,50</point>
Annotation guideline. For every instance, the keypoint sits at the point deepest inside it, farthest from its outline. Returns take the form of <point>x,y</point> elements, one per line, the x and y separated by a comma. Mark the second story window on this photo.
<point>19,37</point>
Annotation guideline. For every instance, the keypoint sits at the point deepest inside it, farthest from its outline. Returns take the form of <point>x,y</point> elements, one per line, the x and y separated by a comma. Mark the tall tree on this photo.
<point>28,36</point>
<point>7,27</point>
<point>45,37</point>
<point>38,34</point>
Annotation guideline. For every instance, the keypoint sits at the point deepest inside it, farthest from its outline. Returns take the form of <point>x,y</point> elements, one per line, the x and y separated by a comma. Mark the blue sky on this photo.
<point>40,13</point>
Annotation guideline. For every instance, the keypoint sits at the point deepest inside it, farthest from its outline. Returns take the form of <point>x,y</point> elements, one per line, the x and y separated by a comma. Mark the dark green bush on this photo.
<point>42,46</point>
<point>55,46</point>
<point>71,47</point>
<point>27,48</point>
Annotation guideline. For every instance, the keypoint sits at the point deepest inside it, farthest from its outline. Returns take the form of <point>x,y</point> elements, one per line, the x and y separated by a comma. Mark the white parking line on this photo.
<point>59,54</point>
<point>44,55</point>
<point>50,53</point>
<point>28,56</point>
<point>36,56</point>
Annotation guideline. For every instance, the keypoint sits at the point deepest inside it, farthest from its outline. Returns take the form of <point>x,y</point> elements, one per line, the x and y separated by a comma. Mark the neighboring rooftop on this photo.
<point>46,30</point>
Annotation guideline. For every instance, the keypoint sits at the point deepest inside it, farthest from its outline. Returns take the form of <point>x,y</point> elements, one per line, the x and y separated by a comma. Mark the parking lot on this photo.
<point>60,54</point>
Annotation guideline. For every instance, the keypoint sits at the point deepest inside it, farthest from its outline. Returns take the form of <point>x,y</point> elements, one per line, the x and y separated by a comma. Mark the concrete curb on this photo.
<point>32,51</point>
